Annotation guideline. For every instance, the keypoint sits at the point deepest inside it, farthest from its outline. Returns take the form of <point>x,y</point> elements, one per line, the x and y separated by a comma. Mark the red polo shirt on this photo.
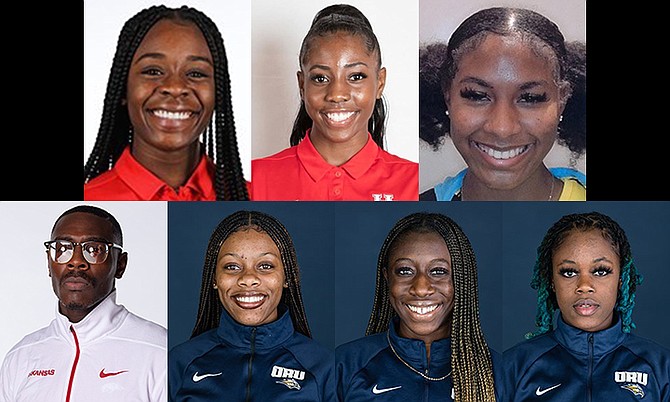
<point>130,181</point>
<point>300,173</point>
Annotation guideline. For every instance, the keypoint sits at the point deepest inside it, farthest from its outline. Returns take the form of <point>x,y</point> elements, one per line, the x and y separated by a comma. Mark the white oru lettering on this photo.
<point>631,376</point>
<point>283,372</point>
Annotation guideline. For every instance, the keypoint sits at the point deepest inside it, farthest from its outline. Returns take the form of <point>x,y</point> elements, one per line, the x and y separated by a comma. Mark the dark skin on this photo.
<point>79,285</point>
<point>421,286</point>
<point>170,99</point>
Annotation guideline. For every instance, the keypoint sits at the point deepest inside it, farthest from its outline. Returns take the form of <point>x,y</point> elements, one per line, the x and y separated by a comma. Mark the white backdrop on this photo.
<point>439,18</point>
<point>26,292</point>
<point>103,21</point>
<point>278,29</point>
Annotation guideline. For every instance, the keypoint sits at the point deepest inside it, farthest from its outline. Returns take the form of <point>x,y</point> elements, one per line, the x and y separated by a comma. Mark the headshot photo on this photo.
<point>166,101</point>
<point>90,301</point>
<point>484,135</point>
<point>583,287</point>
<point>345,80</point>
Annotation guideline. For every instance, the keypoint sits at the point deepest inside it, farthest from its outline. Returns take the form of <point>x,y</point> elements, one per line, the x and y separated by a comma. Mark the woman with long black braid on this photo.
<point>585,270</point>
<point>167,130</point>
<point>424,340</point>
<point>251,340</point>
<point>337,142</point>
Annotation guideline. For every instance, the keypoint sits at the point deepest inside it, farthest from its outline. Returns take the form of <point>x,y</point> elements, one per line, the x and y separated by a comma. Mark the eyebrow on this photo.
<point>156,55</point>
<point>600,259</point>
<point>433,260</point>
<point>90,238</point>
<point>257,256</point>
<point>523,87</point>
<point>350,65</point>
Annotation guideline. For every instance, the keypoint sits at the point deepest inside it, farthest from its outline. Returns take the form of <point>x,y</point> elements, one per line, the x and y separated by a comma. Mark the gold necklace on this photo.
<point>388,338</point>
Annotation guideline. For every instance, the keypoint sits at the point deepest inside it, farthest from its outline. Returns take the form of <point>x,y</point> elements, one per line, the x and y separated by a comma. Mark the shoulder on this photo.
<point>359,351</point>
<point>108,186</point>
<point>310,353</point>
<point>428,195</point>
<point>648,350</point>
<point>194,347</point>
<point>390,158</point>
<point>281,156</point>
<point>33,339</point>
<point>141,330</point>
<point>526,352</point>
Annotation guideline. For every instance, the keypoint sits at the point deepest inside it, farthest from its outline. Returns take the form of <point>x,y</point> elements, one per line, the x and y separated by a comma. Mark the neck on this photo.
<point>541,186</point>
<point>338,153</point>
<point>174,167</point>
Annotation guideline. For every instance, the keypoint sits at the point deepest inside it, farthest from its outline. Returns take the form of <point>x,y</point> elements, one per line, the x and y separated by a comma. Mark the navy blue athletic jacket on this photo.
<point>238,363</point>
<point>569,364</point>
<point>368,370</point>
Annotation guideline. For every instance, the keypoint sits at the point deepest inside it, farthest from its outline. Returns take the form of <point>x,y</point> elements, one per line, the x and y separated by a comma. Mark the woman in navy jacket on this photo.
<point>251,340</point>
<point>424,341</point>
<point>585,270</point>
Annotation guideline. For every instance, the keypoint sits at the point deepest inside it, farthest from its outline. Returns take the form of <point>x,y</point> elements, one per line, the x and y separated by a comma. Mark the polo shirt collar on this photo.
<point>355,167</point>
<point>144,183</point>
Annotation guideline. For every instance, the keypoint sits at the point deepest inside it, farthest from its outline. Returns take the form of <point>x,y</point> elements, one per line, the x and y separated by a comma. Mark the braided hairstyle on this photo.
<point>210,308</point>
<point>115,125</point>
<point>438,64</point>
<point>542,272</point>
<point>470,359</point>
<point>331,20</point>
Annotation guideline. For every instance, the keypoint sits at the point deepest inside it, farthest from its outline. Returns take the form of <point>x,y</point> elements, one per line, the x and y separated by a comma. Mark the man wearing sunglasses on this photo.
<point>95,349</point>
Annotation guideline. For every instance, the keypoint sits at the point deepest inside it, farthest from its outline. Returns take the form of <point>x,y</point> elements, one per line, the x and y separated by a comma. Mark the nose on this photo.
<point>503,120</point>
<point>421,286</point>
<point>584,284</point>
<point>248,278</point>
<point>78,261</point>
<point>174,85</point>
<point>338,91</point>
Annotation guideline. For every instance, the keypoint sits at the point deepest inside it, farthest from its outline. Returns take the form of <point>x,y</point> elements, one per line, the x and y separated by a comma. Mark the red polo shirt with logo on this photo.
<point>300,173</point>
<point>130,181</point>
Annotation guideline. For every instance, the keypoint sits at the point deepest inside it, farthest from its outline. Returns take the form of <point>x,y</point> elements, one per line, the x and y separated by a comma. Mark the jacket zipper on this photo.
<point>588,384</point>
<point>74,364</point>
<point>251,361</point>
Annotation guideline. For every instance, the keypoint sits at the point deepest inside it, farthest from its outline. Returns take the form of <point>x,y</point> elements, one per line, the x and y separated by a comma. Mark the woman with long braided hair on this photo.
<point>337,141</point>
<point>167,130</point>
<point>585,269</point>
<point>251,334</point>
<point>424,340</point>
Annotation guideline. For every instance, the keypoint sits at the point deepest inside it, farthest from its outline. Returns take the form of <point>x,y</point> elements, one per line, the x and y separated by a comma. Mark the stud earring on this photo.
<point>446,112</point>
<point>215,287</point>
<point>560,119</point>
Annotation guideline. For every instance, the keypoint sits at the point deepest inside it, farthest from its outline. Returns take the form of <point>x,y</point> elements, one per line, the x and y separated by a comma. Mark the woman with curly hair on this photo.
<point>585,270</point>
<point>505,88</point>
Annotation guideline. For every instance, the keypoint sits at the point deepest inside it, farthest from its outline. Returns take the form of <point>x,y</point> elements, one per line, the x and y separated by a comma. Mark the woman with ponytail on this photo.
<point>337,141</point>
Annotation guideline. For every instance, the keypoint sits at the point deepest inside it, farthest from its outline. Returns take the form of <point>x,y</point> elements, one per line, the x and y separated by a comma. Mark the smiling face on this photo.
<point>78,284</point>
<point>421,286</point>
<point>585,275</point>
<point>170,92</point>
<point>504,107</point>
<point>340,81</point>
<point>250,277</point>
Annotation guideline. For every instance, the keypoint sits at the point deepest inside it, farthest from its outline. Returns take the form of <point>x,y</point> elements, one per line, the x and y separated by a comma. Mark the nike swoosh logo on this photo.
<point>104,375</point>
<point>378,391</point>
<point>197,377</point>
<point>540,392</point>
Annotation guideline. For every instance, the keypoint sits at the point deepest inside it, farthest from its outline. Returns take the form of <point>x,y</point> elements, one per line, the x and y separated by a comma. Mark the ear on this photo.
<point>121,264</point>
<point>48,264</point>
<point>381,82</point>
<point>553,288</point>
<point>301,83</point>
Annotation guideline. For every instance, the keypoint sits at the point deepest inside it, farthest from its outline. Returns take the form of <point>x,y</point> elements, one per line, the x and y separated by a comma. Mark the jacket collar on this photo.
<point>577,340</point>
<point>413,351</point>
<point>267,336</point>
<point>103,319</point>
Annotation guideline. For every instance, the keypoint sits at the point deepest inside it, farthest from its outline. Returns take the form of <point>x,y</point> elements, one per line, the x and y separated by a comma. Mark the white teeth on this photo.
<point>502,155</point>
<point>340,116</point>
<point>249,299</point>
<point>164,114</point>
<point>422,310</point>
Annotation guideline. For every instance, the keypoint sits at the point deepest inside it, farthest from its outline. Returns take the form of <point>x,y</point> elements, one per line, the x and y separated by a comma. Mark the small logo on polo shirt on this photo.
<point>41,373</point>
<point>382,197</point>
